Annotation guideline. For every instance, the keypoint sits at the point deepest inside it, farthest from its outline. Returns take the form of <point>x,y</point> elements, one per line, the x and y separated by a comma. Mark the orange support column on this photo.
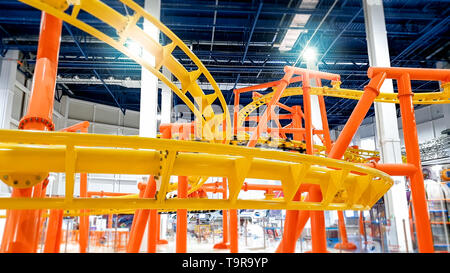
<point>224,243</point>
<point>344,244</point>
<point>318,233</point>
<point>234,231</point>
<point>152,236</point>
<point>140,220</point>
<point>371,91</point>
<point>181,237</point>
<point>84,219</point>
<point>54,232</point>
<point>418,196</point>
<point>24,223</point>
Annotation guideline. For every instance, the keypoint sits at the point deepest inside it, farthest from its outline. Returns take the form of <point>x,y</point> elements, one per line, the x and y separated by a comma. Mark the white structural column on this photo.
<point>8,71</point>
<point>166,98</point>
<point>149,83</point>
<point>166,114</point>
<point>148,121</point>
<point>387,127</point>
<point>316,118</point>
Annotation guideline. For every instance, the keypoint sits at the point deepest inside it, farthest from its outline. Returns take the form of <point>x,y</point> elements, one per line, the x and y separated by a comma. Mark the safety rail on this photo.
<point>344,185</point>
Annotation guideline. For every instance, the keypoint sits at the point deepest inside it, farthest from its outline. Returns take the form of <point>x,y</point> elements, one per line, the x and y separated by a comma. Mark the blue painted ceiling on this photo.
<point>242,48</point>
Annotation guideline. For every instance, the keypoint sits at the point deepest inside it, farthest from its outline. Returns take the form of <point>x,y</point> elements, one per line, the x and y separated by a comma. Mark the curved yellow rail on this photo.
<point>344,185</point>
<point>209,124</point>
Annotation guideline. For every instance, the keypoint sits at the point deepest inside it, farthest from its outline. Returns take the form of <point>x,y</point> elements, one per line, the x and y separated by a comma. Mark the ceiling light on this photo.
<point>310,54</point>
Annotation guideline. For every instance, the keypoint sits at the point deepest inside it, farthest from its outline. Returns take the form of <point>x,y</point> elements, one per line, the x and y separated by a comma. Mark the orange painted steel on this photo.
<point>405,169</point>
<point>224,244</point>
<point>181,236</point>
<point>82,127</point>
<point>140,219</point>
<point>54,232</point>
<point>318,232</point>
<point>23,225</point>
<point>418,196</point>
<point>361,224</point>
<point>262,125</point>
<point>40,109</point>
<point>344,244</point>
<point>152,234</point>
<point>371,91</point>
<point>234,231</point>
<point>84,219</point>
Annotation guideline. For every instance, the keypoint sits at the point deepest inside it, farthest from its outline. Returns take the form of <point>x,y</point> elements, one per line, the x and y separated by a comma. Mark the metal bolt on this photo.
<point>27,182</point>
<point>15,182</point>
<point>38,177</point>
<point>5,177</point>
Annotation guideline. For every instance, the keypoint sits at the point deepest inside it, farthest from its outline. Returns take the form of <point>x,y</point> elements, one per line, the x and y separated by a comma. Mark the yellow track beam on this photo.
<point>138,155</point>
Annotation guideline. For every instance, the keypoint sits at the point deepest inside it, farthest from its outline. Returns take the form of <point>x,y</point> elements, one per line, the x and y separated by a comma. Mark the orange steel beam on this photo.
<point>181,235</point>
<point>24,224</point>
<point>102,193</point>
<point>238,91</point>
<point>371,91</point>
<point>317,217</point>
<point>405,169</point>
<point>418,196</point>
<point>152,236</point>
<point>318,232</point>
<point>234,231</point>
<point>224,243</point>
<point>282,116</point>
<point>40,194</point>
<point>54,232</point>
<point>140,219</point>
<point>84,219</point>
<point>82,127</point>
<point>264,85</point>
<point>262,125</point>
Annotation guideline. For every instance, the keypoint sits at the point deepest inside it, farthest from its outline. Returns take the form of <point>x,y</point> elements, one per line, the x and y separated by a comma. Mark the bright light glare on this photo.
<point>134,48</point>
<point>310,54</point>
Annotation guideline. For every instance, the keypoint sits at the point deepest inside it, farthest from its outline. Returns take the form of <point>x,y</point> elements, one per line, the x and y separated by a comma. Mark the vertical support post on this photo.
<point>152,225</point>
<point>234,231</point>
<point>224,243</point>
<point>84,219</point>
<point>181,236</point>
<point>38,117</point>
<point>141,218</point>
<point>423,228</point>
<point>54,232</point>
<point>386,122</point>
<point>318,233</point>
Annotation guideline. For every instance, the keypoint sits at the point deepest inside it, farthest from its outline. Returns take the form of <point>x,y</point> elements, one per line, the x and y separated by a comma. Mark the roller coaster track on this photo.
<point>335,91</point>
<point>344,185</point>
<point>208,123</point>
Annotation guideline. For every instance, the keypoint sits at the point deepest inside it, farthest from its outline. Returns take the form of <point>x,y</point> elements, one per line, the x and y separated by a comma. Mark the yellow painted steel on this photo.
<point>344,185</point>
<point>357,186</point>
<point>208,123</point>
